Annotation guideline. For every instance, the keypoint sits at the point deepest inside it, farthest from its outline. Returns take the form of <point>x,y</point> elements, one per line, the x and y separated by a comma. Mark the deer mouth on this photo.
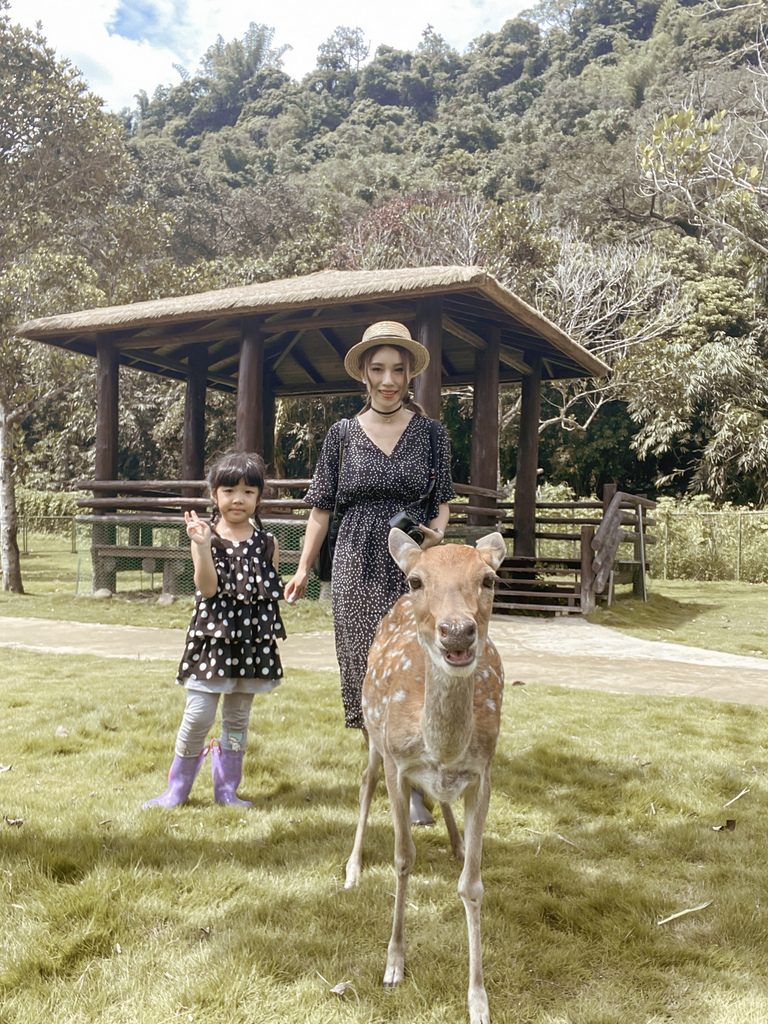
<point>460,658</point>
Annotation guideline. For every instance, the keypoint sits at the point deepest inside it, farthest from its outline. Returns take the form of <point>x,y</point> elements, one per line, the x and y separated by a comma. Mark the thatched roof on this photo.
<point>310,322</point>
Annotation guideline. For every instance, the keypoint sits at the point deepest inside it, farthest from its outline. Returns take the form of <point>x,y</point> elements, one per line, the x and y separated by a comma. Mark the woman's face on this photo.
<point>387,377</point>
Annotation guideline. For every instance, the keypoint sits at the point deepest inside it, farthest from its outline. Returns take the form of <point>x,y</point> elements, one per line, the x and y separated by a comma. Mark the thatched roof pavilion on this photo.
<point>289,337</point>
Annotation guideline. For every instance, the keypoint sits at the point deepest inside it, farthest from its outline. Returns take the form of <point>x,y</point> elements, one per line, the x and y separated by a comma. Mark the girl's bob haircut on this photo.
<point>227,470</point>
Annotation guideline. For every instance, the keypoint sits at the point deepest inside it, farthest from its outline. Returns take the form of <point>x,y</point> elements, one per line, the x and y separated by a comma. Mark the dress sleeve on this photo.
<point>443,491</point>
<point>322,490</point>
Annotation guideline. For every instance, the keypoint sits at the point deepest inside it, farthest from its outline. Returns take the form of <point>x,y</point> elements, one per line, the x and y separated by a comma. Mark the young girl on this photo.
<point>231,641</point>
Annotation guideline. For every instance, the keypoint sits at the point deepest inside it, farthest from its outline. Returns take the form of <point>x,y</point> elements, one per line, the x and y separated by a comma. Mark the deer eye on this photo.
<point>414,583</point>
<point>489,581</point>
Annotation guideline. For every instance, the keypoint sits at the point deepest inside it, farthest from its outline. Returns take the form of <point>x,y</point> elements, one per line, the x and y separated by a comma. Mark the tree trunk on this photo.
<point>9,518</point>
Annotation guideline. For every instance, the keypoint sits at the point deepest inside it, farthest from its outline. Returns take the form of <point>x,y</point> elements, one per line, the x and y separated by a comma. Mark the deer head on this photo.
<point>451,589</point>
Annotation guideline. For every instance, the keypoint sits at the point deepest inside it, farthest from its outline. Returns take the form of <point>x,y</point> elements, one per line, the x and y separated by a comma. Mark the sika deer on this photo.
<point>432,706</point>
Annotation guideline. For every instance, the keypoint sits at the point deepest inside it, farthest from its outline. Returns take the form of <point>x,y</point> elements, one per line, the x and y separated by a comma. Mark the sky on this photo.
<point>123,46</point>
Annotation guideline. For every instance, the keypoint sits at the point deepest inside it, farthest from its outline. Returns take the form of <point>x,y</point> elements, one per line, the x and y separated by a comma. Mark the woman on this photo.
<point>386,470</point>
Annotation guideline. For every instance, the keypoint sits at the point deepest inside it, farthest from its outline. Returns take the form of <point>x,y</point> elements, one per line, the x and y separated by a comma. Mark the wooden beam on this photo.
<point>429,331</point>
<point>527,462</point>
<point>514,359</point>
<point>249,424</point>
<point>302,361</point>
<point>464,333</point>
<point>282,354</point>
<point>335,342</point>
<point>193,444</point>
<point>268,419</point>
<point>485,426</point>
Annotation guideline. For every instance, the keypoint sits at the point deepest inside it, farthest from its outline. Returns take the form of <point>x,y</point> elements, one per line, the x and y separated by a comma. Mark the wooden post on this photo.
<point>249,430</point>
<point>528,460</point>
<point>587,572</point>
<point>429,331</point>
<point>193,446</point>
<point>485,427</point>
<point>105,466</point>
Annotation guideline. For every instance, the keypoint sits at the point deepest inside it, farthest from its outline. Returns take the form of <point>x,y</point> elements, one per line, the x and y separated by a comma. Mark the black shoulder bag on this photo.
<point>324,563</point>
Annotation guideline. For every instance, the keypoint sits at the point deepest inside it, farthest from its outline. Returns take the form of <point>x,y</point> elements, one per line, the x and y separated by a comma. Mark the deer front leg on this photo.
<point>367,788</point>
<point>471,892</point>
<point>405,853</point>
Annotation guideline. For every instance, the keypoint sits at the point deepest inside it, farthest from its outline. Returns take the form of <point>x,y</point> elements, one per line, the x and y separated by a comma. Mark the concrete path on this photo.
<point>564,651</point>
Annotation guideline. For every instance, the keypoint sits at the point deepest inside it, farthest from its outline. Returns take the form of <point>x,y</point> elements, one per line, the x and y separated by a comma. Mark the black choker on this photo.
<point>390,413</point>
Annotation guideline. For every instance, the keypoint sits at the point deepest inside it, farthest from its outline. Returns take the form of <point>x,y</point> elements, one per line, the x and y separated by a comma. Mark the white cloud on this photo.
<point>156,34</point>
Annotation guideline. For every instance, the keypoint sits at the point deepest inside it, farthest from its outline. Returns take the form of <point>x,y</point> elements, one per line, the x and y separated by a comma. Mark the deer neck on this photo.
<point>448,719</point>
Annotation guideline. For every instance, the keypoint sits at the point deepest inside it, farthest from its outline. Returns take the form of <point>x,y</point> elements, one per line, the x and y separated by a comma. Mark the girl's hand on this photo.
<point>197,531</point>
<point>296,586</point>
<point>431,537</point>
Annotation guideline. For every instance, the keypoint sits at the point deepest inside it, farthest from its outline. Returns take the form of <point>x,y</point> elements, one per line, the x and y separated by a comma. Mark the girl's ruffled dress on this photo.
<point>231,643</point>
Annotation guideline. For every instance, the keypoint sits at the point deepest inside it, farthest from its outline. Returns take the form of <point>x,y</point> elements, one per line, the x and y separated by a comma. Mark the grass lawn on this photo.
<point>730,617</point>
<point>601,825</point>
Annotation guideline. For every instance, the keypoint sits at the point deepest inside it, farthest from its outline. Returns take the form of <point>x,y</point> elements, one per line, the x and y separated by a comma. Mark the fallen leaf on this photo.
<point>62,730</point>
<point>518,682</point>
<point>118,947</point>
<point>5,767</point>
<point>18,822</point>
<point>341,988</point>
<point>730,825</point>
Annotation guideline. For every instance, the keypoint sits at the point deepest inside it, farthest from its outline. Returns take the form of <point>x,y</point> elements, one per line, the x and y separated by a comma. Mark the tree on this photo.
<point>61,159</point>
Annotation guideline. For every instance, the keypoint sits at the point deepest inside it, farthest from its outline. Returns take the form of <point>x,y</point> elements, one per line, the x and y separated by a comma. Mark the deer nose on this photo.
<point>457,636</point>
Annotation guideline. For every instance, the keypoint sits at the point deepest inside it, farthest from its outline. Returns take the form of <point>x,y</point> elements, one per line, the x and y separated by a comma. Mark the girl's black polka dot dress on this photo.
<point>374,487</point>
<point>231,641</point>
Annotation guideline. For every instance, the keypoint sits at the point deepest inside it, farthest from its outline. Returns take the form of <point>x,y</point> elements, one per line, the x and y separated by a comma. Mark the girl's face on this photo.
<point>387,377</point>
<point>238,503</point>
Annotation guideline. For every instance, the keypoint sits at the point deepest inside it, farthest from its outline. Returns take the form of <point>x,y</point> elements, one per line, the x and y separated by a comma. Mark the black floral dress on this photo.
<point>231,641</point>
<point>374,487</point>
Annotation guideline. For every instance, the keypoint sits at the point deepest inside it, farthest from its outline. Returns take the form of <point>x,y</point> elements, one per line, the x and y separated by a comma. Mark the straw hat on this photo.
<point>386,332</point>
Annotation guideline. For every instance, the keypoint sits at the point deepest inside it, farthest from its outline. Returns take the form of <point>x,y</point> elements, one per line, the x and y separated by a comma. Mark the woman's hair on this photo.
<point>227,470</point>
<point>407,358</point>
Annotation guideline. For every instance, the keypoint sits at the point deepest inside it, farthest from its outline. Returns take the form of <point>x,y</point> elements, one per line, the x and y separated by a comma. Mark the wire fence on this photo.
<point>705,545</point>
<point>727,545</point>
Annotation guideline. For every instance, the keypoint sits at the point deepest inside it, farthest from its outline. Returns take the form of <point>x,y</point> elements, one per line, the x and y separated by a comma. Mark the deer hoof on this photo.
<point>393,975</point>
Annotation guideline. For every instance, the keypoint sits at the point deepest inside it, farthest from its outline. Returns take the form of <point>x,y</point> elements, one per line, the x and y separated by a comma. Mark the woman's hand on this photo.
<point>431,537</point>
<point>296,586</point>
<point>197,531</point>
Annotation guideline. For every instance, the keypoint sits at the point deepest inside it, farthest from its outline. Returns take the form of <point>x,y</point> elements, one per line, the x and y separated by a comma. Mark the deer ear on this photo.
<point>492,549</point>
<point>406,552</point>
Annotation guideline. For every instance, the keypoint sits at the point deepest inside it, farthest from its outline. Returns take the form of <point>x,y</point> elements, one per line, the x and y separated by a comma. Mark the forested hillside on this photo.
<point>605,159</point>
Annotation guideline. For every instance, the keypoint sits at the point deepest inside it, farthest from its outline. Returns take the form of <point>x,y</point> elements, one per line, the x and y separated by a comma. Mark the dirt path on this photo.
<point>568,652</point>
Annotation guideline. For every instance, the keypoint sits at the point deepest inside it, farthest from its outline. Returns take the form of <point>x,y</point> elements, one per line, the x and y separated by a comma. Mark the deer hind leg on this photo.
<point>405,853</point>
<point>457,843</point>
<point>471,892</point>
<point>368,786</point>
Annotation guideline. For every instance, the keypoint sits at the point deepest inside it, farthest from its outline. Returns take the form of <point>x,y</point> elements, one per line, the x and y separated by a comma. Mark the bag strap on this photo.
<point>424,499</point>
<point>343,445</point>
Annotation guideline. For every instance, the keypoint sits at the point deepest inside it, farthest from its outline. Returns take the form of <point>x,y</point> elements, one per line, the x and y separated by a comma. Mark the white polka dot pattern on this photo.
<point>231,640</point>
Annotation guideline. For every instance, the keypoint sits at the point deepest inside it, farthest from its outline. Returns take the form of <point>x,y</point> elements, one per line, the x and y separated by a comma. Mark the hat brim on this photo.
<point>353,361</point>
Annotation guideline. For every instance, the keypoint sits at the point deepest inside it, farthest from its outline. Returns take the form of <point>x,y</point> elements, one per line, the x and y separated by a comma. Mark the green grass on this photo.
<point>731,617</point>
<point>601,824</point>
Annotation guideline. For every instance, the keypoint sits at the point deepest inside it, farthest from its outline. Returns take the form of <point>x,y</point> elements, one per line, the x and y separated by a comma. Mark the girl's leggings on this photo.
<point>199,716</point>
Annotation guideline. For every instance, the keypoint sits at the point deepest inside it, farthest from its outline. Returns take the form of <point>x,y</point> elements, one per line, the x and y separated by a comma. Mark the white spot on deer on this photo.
<point>398,695</point>
<point>490,704</point>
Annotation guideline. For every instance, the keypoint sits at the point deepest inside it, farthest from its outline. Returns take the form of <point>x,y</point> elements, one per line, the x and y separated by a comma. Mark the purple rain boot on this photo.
<point>180,778</point>
<point>227,769</point>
